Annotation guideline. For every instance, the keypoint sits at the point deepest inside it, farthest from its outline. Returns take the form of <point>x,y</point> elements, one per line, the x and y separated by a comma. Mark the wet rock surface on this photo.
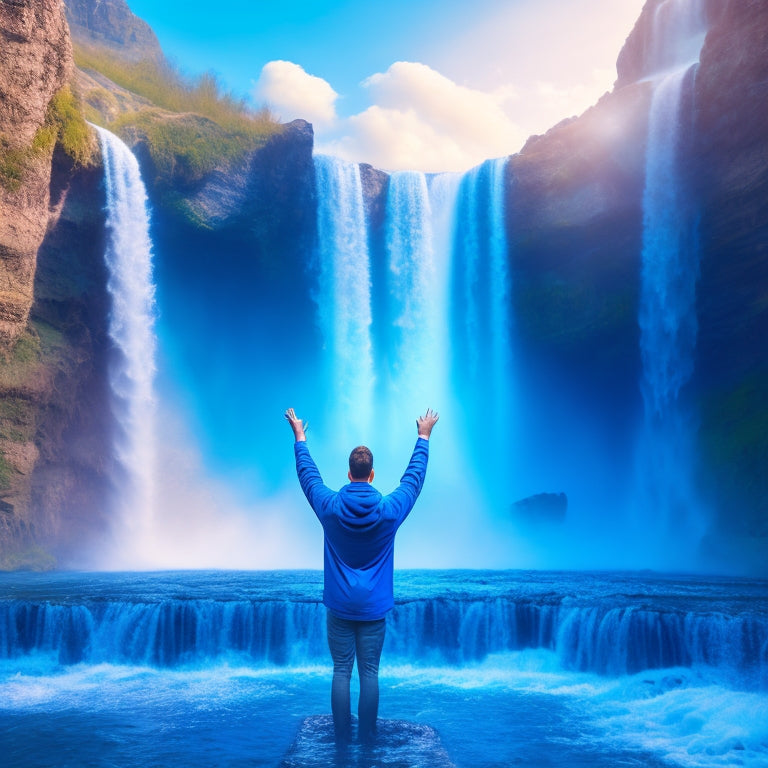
<point>399,744</point>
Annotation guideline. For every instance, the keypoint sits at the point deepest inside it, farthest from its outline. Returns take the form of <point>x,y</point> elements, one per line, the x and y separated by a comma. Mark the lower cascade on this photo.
<point>608,637</point>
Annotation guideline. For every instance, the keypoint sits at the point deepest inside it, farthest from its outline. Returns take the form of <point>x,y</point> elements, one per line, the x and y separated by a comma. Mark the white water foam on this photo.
<point>131,288</point>
<point>686,717</point>
<point>344,300</point>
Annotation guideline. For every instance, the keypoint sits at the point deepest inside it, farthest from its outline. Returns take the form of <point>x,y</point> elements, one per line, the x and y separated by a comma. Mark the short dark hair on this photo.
<point>360,463</point>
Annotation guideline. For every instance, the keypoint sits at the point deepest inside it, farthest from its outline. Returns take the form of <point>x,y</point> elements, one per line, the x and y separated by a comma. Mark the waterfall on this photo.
<point>481,280</point>
<point>344,298</point>
<point>128,258</point>
<point>670,262</point>
<point>667,315</point>
<point>404,301</point>
<point>417,320</point>
<point>678,31</point>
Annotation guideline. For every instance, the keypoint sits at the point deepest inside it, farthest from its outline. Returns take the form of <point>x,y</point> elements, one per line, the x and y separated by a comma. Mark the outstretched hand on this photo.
<point>426,422</point>
<point>298,426</point>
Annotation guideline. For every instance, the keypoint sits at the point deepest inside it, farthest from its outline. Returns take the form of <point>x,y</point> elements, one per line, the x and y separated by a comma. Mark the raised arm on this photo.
<point>404,496</point>
<point>309,476</point>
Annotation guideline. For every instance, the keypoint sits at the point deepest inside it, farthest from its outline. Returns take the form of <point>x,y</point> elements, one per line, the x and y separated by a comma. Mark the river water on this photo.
<point>528,668</point>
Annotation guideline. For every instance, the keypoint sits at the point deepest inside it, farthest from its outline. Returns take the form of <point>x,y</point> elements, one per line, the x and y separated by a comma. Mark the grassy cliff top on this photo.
<point>190,126</point>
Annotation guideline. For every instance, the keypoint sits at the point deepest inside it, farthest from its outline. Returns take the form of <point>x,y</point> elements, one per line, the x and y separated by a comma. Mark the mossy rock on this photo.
<point>30,559</point>
<point>17,419</point>
<point>65,124</point>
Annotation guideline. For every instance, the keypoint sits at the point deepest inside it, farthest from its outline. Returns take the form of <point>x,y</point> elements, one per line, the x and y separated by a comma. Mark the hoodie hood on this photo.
<point>359,505</point>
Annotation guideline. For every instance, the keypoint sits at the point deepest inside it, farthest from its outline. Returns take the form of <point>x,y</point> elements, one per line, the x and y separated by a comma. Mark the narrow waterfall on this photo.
<point>667,317</point>
<point>670,261</point>
<point>417,366</point>
<point>481,283</point>
<point>344,298</point>
<point>131,289</point>
<point>679,29</point>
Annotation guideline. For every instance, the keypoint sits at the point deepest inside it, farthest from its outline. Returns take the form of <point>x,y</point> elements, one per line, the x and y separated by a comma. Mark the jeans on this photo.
<point>347,639</point>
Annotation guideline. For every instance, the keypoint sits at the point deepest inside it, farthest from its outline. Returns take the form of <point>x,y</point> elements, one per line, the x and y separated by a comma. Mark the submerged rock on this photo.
<point>399,744</point>
<point>542,508</point>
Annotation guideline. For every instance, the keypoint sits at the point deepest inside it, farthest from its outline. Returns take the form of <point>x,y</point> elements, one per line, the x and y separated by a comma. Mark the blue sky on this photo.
<point>426,85</point>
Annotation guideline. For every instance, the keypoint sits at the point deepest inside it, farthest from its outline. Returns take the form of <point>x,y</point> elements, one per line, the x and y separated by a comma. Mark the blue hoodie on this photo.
<point>360,525</point>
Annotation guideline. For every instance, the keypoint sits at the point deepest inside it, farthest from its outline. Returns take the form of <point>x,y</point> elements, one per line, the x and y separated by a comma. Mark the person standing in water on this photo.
<point>359,526</point>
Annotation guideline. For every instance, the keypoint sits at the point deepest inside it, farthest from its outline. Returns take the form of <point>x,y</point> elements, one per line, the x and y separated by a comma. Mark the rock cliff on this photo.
<point>111,23</point>
<point>52,308</point>
<point>35,62</point>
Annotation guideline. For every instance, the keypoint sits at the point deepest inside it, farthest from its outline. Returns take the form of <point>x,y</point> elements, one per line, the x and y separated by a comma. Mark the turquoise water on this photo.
<point>511,668</point>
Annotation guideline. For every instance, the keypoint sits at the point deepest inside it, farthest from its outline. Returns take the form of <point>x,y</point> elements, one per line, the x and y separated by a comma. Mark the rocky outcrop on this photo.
<point>276,179</point>
<point>35,62</point>
<point>73,421</point>
<point>731,178</point>
<point>112,24</point>
<point>574,219</point>
<point>375,185</point>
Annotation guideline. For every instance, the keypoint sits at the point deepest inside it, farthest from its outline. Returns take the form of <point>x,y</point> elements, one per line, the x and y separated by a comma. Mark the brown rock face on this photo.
<point>52,306</point>
<point>35,62</point>
<point>112,24</point>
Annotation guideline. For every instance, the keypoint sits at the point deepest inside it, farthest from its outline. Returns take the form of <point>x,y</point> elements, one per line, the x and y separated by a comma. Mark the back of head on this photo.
<point>360,463</point>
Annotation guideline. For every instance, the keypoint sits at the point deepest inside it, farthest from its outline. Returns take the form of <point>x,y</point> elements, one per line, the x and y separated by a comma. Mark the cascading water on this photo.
<point>272,621</point>
<point>481,326</point>
<point>221,667</point>
<point>391,296</point>
<point>128,258</point>
<point>417,363</point>
<point>678,31</point>
<point>405,306</point>
<point>667,319</point>
<point>344,299</point>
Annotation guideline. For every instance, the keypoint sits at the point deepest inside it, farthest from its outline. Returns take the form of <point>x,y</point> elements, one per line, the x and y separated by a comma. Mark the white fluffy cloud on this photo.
<point>418,119</point>
<point>422,120</point>
<point>291,93</point>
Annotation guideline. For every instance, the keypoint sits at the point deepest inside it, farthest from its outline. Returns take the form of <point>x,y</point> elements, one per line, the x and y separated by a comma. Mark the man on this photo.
<point>359,526</point>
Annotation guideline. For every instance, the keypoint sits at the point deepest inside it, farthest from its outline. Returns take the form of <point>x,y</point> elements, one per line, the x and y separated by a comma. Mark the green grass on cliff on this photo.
<point>166,87</point>
<point>6,474</point>
<point>13,161</point>
<point>191,128</point>
<point>184,147</point>
<point>64,124</point>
